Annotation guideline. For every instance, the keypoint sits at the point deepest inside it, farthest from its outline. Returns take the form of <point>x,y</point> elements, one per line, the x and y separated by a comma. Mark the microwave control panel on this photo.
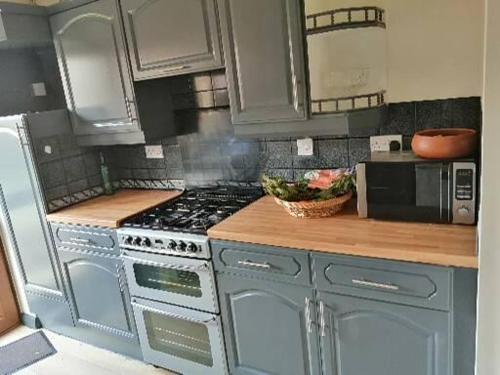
<point>464,193</point>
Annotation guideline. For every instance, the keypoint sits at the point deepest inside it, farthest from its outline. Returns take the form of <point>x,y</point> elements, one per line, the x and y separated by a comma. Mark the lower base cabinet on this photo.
<point>286,314</point>
<point>361,336</point>
<point>268,327</point>
<point>100,302</point>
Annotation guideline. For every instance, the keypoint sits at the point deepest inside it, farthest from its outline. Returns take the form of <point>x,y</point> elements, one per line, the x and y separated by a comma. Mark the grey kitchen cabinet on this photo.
<point>94,68</point>
<point>263,50</point>
<point>100,301</point>
<point>360,336</point>
<point>167,38</point>
<point>268,326</point>
<point>367,316</point>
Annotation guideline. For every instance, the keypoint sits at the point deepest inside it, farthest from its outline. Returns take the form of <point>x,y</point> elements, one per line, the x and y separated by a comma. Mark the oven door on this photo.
<point>180,339</point>
<point>174,280</point>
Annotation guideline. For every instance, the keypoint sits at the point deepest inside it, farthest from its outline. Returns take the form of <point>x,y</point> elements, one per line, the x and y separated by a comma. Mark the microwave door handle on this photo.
<point>446,193</point>
<point>175,316</point>
<point>179,267</point>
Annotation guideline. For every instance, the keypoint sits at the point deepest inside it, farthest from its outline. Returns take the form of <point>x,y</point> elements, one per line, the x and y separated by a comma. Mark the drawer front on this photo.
<point>411,284</point>
<point>274,263</point>
<point>86,238</point>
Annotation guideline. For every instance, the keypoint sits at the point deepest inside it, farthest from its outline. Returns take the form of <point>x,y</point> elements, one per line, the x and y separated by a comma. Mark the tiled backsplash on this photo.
<point>201,159</point>
<point>71,173</point>
<point>68,173</point>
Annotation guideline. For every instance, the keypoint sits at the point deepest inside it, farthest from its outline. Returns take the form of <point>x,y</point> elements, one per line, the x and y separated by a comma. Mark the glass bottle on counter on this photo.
<point>106,180</point>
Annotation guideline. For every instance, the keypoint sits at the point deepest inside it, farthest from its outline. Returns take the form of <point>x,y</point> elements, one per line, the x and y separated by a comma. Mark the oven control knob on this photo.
<point>181,246</point>
<point>146,242</point>
<point>129,240</point>
<point>137,241</point>
<point>192,248</point>
<point>463,211</point>
<point>171,245</point>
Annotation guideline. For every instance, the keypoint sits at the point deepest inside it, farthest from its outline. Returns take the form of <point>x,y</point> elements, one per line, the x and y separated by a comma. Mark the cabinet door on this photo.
<point>263,49</point>
<point>368,337</point>
<point>98,293</point>
<point>171,37</point>
<point>266,327</point>
<point>94,70</point>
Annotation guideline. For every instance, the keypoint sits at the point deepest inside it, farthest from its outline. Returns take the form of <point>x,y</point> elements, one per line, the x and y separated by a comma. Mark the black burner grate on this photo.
<point>196,210</point>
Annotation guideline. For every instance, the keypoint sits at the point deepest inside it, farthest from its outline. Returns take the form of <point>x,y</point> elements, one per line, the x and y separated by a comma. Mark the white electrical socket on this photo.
<point>39,89</point>
<point>154,152</point>
<point>305,147</point>
<point>382,142</point>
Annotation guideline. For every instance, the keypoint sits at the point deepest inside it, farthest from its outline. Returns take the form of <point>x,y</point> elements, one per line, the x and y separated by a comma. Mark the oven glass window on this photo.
<point>168,280</point>
<point>179,338</point>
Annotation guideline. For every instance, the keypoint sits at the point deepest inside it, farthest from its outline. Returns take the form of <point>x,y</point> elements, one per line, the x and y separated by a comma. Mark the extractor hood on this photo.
<point>23,26</point>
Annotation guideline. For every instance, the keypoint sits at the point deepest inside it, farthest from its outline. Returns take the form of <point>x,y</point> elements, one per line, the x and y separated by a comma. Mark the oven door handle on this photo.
<point>179,267</point>
<point>173,315</point>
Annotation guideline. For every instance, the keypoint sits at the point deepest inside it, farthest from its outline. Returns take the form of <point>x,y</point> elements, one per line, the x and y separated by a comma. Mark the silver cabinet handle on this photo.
<point>81,240</point>
<point>322,319</point>
<point>308,315</point>
<point>374,284</point>
<point>249,263</point>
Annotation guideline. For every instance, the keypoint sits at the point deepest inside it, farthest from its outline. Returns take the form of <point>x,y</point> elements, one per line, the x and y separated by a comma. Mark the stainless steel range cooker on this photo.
<point>167,255</point>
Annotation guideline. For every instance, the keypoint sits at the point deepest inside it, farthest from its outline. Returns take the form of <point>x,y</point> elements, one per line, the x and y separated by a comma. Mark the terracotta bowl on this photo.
<point>444,143</point>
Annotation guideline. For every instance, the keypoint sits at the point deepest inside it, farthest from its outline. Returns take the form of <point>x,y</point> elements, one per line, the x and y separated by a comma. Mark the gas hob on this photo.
<point>179,227</point>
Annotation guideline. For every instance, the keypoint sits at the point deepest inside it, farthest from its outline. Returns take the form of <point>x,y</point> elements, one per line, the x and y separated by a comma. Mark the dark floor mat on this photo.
<point>24,352</point>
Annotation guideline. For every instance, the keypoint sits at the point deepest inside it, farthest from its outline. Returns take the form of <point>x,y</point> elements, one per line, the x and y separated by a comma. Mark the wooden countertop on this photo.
<point>111,210</point>
<point>264,222</point>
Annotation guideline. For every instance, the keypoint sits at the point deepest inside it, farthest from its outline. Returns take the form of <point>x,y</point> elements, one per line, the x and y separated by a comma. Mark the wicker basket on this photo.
<point>314,209</point>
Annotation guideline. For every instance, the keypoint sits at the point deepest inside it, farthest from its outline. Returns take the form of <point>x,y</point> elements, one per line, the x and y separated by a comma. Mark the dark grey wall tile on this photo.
<point>359,149</point>
<point>333,153</point>
<point>124,173</point>
<point>400,119</point>
<point>56,192</point>
<point>429,114</point>
<point>407,142</point>
<point>94,180</point>
<point>52,174</point>
<point>175,174</point>
<point>78,186</point>
<point>462,113</point>
<point>68,146</point>
<point>277,155</point>
<point>158,174</point>
<point>92,163</point>
<point>173,157</point>
<point>141,174</point>
<point>74,168</point>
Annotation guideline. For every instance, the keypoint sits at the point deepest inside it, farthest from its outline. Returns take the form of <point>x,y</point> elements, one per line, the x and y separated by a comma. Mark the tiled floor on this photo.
<point>76,358</point>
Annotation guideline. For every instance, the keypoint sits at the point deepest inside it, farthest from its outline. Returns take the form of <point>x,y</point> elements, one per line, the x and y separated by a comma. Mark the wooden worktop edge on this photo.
<point>439,259</point>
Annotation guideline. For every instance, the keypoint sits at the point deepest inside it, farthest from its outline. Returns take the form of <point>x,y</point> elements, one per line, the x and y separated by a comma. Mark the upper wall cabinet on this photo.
<point>94,69</point>
<point>263,49</point>
<point>92,56</point>
<point>167,38</point>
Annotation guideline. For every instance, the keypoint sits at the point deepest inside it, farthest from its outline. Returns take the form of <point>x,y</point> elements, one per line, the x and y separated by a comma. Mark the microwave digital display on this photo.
<point>464,184</point>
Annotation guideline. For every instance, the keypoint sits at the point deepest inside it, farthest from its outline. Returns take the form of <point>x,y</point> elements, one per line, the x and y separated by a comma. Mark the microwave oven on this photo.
<point>401,186</point>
